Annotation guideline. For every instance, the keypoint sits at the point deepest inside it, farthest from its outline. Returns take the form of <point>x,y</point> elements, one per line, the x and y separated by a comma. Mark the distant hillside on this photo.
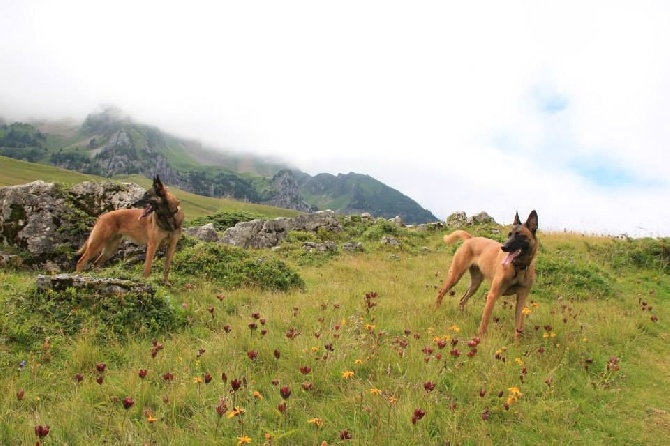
<point>354,193</point>
<point>109,144</point>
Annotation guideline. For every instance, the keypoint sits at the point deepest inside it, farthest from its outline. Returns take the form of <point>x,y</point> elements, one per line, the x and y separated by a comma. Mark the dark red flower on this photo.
<point>100,367</point>
<point>306,385</point>
<point>227,328</point>
<point>281,407</point>
<point>486,414</point>
<point>418,414</point>
<point>128,402</point>
<point>224,377</point>
<point>235,384</point>
<point>41,431</point>
<point>222,407</point>
<point>345,435</point>
<point>99,379</point>
<point>79,377</point>
<point>255,315</point>
<point>207,378</point>
<point>429,386</point>
<point>253,326</point>
<point>168,376</point>
<point>285,392</point>
<point>252,354</point>
<point>455,352</point>
<point>305,369</point>
<point>20,394</point>
<point>277,354</point>
<point>142,373</point>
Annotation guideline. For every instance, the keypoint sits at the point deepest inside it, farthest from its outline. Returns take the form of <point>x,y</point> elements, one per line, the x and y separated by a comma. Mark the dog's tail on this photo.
<point>454,236</point>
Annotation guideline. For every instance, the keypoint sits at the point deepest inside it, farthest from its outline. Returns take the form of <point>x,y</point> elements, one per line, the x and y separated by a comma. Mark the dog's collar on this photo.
<point>520,268</point>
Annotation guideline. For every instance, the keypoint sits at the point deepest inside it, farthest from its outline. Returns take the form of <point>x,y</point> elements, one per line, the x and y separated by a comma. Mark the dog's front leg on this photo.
<point>151,250</point>
<point>521,297</point>
<point>172,246</point>
<point>491,298</point>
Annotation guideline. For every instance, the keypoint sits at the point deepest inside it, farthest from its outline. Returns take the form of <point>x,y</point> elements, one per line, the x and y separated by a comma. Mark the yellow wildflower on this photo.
<point>374,391</point>
<point>243,440</point>
<point>237,411</point>
<point>358,362</point>
<point>258,395</point>
<point>526,311</point>
<point>454,328</point>
<point>369,327</point>
<point>197,380</point>
<point>534,304</point>
<point>151,419</point>
<point>315,349</point>
<point>392,399</point>
<point>318,422</point>
<point>348,374</point>
<point>518,361</point>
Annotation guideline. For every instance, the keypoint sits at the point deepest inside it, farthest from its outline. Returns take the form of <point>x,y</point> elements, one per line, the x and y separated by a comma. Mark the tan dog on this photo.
<point>510,267</point>
<point>160,222</point>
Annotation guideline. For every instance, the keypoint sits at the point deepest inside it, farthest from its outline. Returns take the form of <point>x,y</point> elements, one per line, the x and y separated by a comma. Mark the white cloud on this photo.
<point>450,103</point>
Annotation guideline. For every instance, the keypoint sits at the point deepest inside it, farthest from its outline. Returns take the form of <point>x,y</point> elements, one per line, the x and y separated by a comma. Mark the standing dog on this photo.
<point>160,222</point>
<point>509,267</point>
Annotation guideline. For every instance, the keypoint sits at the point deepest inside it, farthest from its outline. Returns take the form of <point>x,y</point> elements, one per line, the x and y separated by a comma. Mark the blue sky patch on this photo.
<point>606,173</point>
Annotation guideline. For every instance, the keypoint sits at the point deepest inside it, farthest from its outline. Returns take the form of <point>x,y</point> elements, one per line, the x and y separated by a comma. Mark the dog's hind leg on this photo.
<point>476,279</point>
<point>108,250</point>
<point>458,267</point>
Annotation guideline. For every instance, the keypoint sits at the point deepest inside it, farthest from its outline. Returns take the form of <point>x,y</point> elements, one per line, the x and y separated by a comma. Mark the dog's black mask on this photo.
<point>516,241</point>
<point>149,202</point>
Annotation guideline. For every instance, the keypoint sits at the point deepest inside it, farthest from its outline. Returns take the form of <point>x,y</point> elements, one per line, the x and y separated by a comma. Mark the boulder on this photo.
<point>269,233</point>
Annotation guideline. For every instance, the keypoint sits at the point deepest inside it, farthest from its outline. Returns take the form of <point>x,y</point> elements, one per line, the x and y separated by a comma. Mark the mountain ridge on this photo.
<point>107,143</point>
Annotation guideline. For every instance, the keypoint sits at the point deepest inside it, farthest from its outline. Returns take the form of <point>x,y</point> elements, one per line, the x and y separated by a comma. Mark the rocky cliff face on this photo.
<point>287,192</point>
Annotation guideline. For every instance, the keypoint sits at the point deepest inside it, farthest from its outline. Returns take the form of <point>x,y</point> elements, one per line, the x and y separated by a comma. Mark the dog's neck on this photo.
<point>168,221</point>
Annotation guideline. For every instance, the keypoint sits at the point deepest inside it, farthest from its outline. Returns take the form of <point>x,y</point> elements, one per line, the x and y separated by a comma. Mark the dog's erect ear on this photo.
<point>516,219</point>
<point>158,186</point>
<point>531,223</point>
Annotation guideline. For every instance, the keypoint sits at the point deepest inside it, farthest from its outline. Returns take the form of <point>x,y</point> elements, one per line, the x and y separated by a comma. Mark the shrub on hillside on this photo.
<point>234,267</point>
<point>40,315</point>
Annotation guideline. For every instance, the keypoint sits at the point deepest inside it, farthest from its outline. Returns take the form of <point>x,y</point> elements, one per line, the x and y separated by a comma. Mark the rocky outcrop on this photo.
<point>95,285</point>
<point>205,233</point>
<point>458,219</point>
<point>269,233</point>
<point>48,221</point>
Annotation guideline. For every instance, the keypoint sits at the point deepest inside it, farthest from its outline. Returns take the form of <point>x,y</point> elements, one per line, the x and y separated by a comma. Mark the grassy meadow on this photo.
<point>296,347</point>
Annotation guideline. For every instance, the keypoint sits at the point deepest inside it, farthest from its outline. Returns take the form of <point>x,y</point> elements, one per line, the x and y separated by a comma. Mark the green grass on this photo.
<point>592,367</point>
